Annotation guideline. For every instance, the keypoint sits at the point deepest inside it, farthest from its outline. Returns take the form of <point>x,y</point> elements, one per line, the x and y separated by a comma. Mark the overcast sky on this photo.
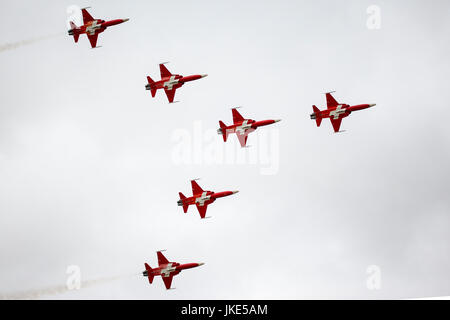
<point>91,164</point>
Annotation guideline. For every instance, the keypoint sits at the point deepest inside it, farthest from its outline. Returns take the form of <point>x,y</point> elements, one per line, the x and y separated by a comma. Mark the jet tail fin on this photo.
<point>223,130</point>
<point>152,90</point>
<point>73,31</point>
<point>182,198</point>
<point>149,271</point>
<point>317,115</point>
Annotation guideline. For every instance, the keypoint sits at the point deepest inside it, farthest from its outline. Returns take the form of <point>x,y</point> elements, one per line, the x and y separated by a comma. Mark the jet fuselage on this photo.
<point>340,111</point>
<point>95,26</point>
<point>245,126</point>
<point>204,198</point>
<point>175,81</point>
<point>171,268</point>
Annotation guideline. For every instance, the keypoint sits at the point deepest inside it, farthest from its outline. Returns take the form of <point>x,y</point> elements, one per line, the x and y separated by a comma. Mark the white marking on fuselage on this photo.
<point>165,272</point>
<point>202,199</point>
<point>93,27</point>
<point>337,112</point>
<point>170,83</point>
<point>243,127</point>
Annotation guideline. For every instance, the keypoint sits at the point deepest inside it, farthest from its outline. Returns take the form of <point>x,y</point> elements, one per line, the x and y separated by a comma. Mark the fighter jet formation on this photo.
<point>92,27</point>
<point>241,127</point>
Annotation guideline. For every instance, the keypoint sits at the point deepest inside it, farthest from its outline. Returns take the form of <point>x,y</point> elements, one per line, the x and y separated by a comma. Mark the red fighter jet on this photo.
<point>169,82</point>
<point>335,111</point>
<point>201,198</point>
<point>242,127</point>
<point>92,27</point>
<point>166,269</point>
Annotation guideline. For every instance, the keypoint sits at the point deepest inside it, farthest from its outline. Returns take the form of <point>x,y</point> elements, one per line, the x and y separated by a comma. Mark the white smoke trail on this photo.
<point>15,45</point>
<point>55,290</point>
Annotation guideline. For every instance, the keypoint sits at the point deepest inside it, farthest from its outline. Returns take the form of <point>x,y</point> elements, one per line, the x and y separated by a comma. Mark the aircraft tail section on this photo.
<point>151,83</point>
<point>149,273</point>
<point>73,31</point>
<point>182,198</point>
<point>316,115</point>
<point>223,130</point>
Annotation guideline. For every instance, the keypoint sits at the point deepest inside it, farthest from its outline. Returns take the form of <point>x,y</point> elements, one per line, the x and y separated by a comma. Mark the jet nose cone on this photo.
<point>372,105</point>
<point>278,120</point>
<point>201,263</point>
<point>235,191</point>
<point>204,75</point>
<point>125,20</point>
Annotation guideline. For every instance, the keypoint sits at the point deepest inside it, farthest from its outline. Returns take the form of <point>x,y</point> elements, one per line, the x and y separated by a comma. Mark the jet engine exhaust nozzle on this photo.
<point>180,202</point>
<point>313,116</point>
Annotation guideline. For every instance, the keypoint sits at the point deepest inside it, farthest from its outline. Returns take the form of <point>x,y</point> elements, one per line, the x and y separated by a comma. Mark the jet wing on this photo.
<point>167,281</point>
<point>93,39</point>
<point>165,73</point>
<point>202,210</point>
<point>86,16</point>
<point>331,102</point>
<point>236,116</point>
<point>170,94</point>
<point>242,137</point>
<point>161,258</point>
<point>196,189</point>
<point>336,123</point>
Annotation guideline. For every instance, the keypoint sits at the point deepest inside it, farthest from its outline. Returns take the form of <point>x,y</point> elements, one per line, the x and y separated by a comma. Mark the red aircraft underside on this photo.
<point>167,270</point>
<point>169,82</point>
<point>91,27</point>
<point>242,127</point>
<point>201,198</point>
<point>336,112</point>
